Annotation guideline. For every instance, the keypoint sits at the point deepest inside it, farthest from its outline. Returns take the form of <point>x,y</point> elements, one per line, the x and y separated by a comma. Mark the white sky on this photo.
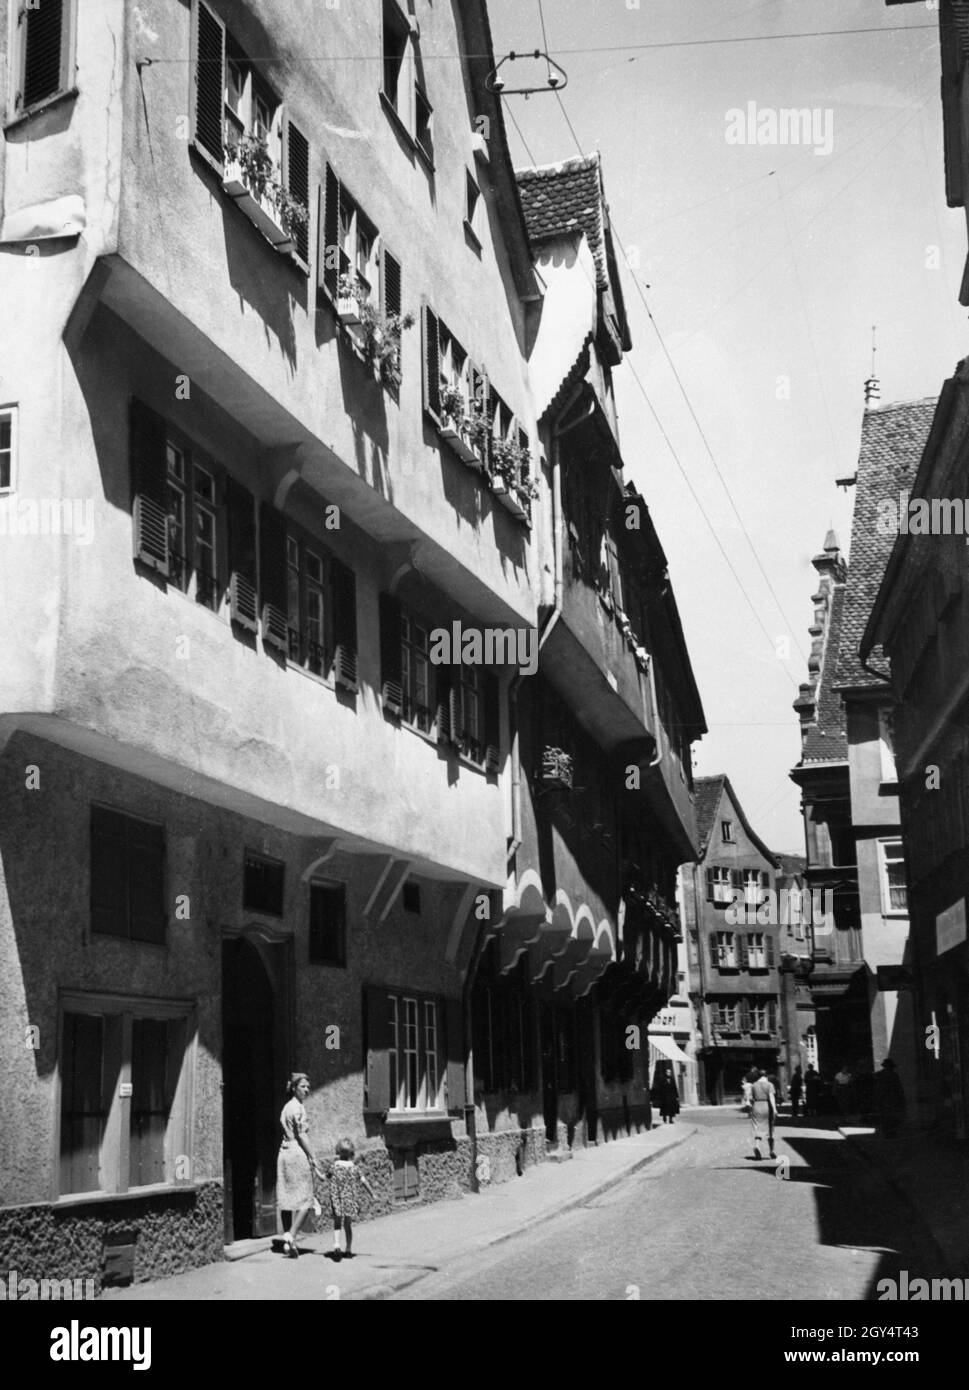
<point>764,262</point>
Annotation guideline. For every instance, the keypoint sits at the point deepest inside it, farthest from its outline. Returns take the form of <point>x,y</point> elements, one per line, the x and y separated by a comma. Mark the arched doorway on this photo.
<point>253,1068</point>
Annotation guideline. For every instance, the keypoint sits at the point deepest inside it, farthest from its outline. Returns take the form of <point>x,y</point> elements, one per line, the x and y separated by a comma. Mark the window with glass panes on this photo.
<point>894,887</point>
<point>726,953</point>
<point>414,1053</point>
<point>756,951</point>
<point>416,673</point>
<point>725,1014</point>
<point>6,449</point>
<point>358,247</point>
<point>193,526</point>
<point>469,713</point>
<point>306,606</point>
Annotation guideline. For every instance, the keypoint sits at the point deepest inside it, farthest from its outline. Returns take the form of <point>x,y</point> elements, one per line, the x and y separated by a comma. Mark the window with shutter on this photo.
<point>456,1094</point>
<point>444,704</point>
<point>711,886</point>
<point>296,181</point>
<point>390,283</point>
<point>127,876</point>
<point>714,951</point>
<point>391,669</point>
<point>208,84</point>
<point>769,945</point>
<point>273,576</point>
<point>45,34</point>
<point>344,589</point>
<point>149,473</point>
<point>241,511</point>
<point>328,915</point>
<point>328,223</point>
<point>431,343</point>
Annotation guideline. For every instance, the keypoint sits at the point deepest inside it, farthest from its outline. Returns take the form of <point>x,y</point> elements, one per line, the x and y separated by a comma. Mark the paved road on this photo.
<point>705,1222</point>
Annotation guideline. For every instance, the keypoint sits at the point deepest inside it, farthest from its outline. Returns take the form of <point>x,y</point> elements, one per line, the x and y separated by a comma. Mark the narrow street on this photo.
<point>703,1221</point>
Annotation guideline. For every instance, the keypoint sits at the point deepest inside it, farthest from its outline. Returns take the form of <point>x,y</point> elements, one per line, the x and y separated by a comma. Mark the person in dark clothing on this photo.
<point>889,1098</point>
<point>665,1093</point>
<point>796,1089</point>
<point>812,1091</point>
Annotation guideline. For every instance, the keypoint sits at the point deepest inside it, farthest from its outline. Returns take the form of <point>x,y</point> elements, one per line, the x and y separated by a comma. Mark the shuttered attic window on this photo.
<point>44,53</point>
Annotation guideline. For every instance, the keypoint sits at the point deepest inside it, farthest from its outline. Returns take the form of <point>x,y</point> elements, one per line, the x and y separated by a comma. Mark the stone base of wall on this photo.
<point>171,1232</point>
<point>619,1122</point>
<point>505,1154</point>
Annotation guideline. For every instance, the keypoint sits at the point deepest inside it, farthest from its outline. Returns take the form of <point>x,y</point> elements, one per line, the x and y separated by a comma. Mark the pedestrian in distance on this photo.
<point>665,1093</point>
<point>746,1087</point>
<point>812,1091</point>
<point>889,1098</point>
<point>763,1111</point>
<point>843,1090</point>
<point>796,1089</point>
<point>346,1181</point>
<point>295,1164</point>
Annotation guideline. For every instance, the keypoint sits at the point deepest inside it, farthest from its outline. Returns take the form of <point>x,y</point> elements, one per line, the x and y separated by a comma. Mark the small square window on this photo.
<point>262,889</point>
<point>328,917</point>
<point>412,897</point>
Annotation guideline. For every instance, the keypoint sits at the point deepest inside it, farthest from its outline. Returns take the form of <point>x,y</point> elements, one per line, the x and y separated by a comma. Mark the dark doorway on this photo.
<point>550,1090</point>
<point>251,1096</point>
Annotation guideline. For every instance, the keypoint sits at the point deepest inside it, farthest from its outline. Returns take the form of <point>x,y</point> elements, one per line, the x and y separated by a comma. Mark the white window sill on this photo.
<point>20,118</point>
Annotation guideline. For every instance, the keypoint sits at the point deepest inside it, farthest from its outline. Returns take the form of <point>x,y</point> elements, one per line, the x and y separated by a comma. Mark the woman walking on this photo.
<point>295,1165</point>
<point>763,1111</point>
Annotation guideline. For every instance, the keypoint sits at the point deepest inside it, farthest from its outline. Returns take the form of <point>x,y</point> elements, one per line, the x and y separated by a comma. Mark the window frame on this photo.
<point>307,546</point>
<point>67,79</point>
<point>886,886</point>
<point>180,1137</point>
<point>756,951</point>
<point>411,655</point>
<point>260,857</point>
<point>726,832</point>
<point>130,820</point>
<point>726,950</point>
<point>409,93</point>
<point>398,1053</point>
<point>10,413</point>
<point>196,461</point>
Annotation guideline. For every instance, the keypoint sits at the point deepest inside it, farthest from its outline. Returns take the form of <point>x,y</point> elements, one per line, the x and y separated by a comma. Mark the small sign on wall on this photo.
<point>950,927</point>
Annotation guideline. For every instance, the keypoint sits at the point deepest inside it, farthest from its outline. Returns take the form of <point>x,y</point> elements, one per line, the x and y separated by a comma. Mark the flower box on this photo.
<point>455,440</point>
<point>511,500</point>
<point>348,309</point>
<point>260,210</point>
<point>557,768</point>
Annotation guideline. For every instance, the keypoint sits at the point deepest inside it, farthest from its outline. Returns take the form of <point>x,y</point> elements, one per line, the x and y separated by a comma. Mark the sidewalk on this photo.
<point>932,1176</point>
<point>394,1251</point>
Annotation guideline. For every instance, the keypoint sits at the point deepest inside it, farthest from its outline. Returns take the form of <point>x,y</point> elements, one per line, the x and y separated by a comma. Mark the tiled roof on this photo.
<point>826,740</point>
<point>562,198</point>
<point>708,792</point>
<point>892,440</point>
<point>790,865</point>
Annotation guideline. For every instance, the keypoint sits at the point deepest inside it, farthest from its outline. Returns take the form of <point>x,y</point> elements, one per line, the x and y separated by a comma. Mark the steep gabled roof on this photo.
<point>709,791</point>
<point>826,740</point>
<point>892,440</point>
<point>560,199</point>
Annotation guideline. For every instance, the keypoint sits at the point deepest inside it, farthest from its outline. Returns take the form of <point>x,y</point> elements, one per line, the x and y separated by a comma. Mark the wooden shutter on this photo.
<point>391,670</point>
<point>737,878</point>
<point>769,949</point>
<point>343,583</point>
<point>82,1102</point>
<point>743,954</point>
<point>207,91</point>
<point>391,300</point>
<point>524,445</point>
<point>44,41</point>
<point>455,1070</point>
<point>492,722</point>
<point>771,1016</point>
<point>444,700</point>
<point>714,955</point>
<point>272,577</point>
<point>744,1016</point>
<point>479,402</point>
<point>711,891</point>
<point>296,181</point>
<point>109,881</point>
<point>376,1020</point>
<point>241,510</point>
<point>328,235</point>
<point>431,343</point>
<point>149,484</point>
<point>146,881</point>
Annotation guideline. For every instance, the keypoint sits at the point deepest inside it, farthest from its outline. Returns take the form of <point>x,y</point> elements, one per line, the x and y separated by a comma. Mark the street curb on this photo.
<point>901,1191</point>
<point>386,1289</point>
<point>594,1192</point>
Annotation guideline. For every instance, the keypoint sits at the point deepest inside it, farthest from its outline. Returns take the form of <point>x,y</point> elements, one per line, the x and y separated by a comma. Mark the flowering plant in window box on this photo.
<point>350,294</point>
<point>557,768</point>
<point>477,433</point>
<point>454,423</point>
<point>380,336</point>
<point>251,178</point>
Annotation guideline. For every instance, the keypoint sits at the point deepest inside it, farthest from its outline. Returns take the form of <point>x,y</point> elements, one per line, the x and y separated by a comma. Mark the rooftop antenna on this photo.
<point>873,388</point>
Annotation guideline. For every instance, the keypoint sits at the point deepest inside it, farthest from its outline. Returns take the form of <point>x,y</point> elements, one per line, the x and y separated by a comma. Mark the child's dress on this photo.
<point>345,1189</point>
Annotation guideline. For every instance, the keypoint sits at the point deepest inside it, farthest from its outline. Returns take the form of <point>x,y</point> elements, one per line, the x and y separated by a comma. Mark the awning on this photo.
<point>668,1047</point>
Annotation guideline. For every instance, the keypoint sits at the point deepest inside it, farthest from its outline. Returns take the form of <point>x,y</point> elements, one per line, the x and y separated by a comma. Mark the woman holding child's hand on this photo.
<point>296,1164</point>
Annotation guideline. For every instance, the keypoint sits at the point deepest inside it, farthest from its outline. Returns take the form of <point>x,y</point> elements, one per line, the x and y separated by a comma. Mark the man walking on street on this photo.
<point>796,1087</point>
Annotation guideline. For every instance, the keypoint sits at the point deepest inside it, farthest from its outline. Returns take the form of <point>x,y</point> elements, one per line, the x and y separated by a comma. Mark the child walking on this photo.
<point>345,1183</point>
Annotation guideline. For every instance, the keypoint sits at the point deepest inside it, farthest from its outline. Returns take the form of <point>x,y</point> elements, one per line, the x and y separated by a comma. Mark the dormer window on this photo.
<point>726,832</point>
